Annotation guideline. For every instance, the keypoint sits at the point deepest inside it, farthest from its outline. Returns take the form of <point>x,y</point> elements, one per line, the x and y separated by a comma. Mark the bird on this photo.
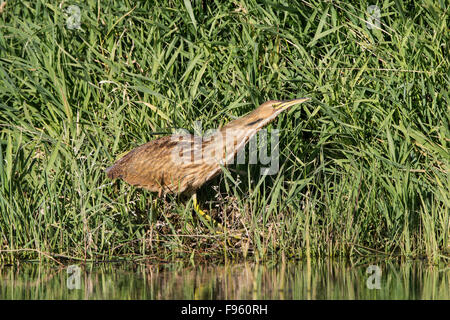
<point>181,163</point>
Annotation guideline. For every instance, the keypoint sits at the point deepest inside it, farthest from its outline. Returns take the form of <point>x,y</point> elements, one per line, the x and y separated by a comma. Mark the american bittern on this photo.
<point>183,163</point>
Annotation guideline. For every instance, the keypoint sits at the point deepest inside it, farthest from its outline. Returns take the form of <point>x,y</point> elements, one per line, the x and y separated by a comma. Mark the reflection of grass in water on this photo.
<point>412,280</point>
<point>363,168</point>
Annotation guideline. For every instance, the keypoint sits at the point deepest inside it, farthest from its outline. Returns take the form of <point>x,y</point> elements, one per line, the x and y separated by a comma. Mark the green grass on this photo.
<point>363,166</point>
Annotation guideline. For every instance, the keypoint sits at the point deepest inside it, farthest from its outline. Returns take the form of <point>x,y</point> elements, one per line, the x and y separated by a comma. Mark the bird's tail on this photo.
<point>112,172</point>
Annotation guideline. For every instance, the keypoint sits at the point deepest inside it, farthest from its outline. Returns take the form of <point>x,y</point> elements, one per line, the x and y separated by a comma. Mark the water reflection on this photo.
<point>320,280</point>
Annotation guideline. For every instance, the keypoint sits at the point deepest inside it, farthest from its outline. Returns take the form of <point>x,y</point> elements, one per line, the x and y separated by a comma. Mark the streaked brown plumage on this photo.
<point>183,163</point>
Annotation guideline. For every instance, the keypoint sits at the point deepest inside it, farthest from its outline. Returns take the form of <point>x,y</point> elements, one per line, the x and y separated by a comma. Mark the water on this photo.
<point>319,280</point>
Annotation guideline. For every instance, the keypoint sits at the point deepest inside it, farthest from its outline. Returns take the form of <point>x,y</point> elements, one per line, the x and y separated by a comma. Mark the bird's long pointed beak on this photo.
<point>289,103</point>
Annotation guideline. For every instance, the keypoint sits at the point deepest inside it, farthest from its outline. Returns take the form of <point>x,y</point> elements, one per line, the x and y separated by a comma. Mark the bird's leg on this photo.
<point>154,204</point>
<point>207,217</point>
<point>204,214</point>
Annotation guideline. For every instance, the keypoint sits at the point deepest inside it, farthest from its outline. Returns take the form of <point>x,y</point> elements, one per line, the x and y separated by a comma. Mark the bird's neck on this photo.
<point>226,142</point>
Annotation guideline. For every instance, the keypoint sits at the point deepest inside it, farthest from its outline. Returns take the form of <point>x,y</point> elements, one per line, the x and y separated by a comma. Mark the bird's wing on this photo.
<point>156,165</point>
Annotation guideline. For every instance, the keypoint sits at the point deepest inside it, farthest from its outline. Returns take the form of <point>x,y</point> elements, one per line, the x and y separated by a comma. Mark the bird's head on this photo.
<point>262,115</point>
<point>268,111</point>
<point>271,107</point>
